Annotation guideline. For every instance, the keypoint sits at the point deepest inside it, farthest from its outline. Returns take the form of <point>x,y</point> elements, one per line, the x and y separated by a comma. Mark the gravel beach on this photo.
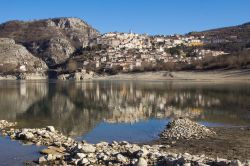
<point>210,146</point>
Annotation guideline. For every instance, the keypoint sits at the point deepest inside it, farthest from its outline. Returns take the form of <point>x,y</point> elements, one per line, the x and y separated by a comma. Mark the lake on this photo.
<point>135,111</point>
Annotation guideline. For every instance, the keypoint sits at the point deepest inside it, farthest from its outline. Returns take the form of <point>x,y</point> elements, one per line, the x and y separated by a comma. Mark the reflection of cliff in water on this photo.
<point>17,96</point>
<point>75,108</point>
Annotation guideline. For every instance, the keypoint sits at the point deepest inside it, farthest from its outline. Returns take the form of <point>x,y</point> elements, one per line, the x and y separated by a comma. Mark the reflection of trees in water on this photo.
<point>76,108</point>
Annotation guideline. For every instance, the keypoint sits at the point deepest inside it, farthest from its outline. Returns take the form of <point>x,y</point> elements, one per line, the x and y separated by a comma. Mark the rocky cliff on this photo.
<point>15,58</point>
<point>52,40</point>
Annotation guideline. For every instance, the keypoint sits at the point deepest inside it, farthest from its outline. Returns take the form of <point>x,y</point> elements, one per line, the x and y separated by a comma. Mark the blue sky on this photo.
<point>141,16</point>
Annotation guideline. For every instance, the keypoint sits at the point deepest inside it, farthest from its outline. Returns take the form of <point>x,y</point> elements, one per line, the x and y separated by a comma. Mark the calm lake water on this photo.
<point>135,111</point>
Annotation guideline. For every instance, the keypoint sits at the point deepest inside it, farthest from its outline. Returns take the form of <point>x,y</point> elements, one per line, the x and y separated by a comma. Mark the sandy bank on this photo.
<point>217,75</point>
<point>24,77</point>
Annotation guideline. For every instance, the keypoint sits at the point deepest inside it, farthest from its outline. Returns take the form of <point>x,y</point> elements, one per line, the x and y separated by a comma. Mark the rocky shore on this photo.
<point>184,128</point>
<point>63,150</point>
<point>6,124</point>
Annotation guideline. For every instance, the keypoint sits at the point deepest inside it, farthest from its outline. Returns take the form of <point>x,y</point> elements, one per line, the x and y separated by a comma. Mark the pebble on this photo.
<point>26,135</point>
<point>42,160</point>
<point>187,164</point>
<point>51,157</point>
<point>142,153</point>
<point>247,163</point>
<point>141,162</point>
<point>87,148</point>
<point>235,163</point>
<point>84,161</point>
<point>5,124</point>
<point>50,128</point>
<point>80,155</point>
<point>121,158</point>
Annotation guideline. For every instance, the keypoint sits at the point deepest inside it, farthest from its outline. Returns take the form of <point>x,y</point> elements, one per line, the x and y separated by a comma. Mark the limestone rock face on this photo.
<point>53,51</point>
<point>52,40</point>
<point>16,58</point>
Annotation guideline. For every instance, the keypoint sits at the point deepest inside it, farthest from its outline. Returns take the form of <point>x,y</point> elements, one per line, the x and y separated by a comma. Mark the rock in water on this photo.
<point>184,128</point>
<point>26,135</point>
<point>42,160</point>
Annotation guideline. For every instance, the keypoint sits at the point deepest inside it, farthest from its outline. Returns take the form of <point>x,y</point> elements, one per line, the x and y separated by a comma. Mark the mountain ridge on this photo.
<point>241,31</point>
<point>53,40</point>
<point>69,41</point>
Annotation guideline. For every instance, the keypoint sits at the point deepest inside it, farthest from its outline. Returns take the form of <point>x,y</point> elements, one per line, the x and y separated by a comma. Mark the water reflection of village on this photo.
<point>76,108</point>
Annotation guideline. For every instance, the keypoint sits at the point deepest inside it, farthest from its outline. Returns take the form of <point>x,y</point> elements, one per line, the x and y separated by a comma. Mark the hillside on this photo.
<point>71,48</point>
<point>235,34</point>
<point>52,40</point>
<point>15,58</point>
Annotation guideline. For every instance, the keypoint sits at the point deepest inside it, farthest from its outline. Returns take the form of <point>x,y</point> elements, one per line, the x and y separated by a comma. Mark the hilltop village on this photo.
<point>69,48</point>
<point>131,52</point>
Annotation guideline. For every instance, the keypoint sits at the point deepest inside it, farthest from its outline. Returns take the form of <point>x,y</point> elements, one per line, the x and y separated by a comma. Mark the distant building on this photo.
<point>23,68</point>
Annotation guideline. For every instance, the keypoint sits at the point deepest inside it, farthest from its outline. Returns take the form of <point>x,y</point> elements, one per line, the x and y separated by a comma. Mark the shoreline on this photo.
<point>229,146</point>
<point>216,75</point>
<point>210,76</point>
<point>229,143</point>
